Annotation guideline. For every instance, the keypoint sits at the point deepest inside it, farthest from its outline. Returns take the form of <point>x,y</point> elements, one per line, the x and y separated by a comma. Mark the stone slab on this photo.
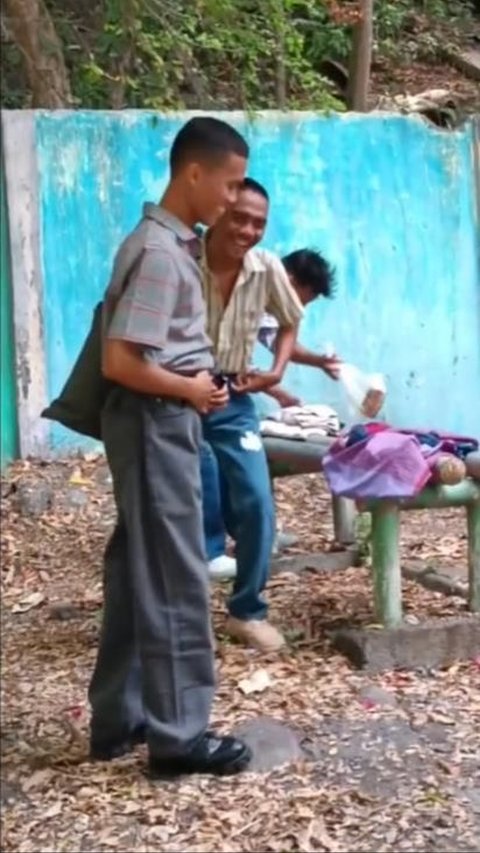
<point>432,644</point>
<point>467,61</point>
<point>330,562</point>
<point>448,581</point>
<point>272,742</point>
<point>34,500</point>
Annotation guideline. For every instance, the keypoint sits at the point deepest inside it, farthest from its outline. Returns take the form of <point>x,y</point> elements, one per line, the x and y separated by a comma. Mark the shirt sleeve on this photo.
<point>267,333</point>
<point>143,313</point>
<point>283,303</point>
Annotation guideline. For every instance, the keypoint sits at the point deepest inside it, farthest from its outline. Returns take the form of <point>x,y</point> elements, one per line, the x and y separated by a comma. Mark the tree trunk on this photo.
<point>277,15</point>
<point>31,27</point>
<point>361,58</point>
<point>124,64</point>
<point>281,74</point>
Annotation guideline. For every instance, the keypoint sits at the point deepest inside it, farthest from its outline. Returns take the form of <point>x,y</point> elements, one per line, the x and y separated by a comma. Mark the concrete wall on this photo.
<point>389,200</point>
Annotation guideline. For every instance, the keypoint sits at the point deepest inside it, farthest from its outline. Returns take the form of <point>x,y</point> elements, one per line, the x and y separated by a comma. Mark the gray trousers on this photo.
<point>155,664</point>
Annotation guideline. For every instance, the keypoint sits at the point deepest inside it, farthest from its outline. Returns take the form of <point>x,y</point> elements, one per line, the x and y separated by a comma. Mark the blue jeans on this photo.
<point>213,524</point>
<point>246,498</point>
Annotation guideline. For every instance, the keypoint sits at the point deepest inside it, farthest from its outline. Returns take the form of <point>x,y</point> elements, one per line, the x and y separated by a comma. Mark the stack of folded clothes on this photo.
<point>303,423</point>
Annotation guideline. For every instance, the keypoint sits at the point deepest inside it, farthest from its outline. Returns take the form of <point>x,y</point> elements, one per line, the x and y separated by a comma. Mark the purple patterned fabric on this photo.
<point>387,463</point>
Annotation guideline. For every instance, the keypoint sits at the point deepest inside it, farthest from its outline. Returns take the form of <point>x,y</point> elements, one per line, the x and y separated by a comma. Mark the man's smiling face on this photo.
<point>243,225</point>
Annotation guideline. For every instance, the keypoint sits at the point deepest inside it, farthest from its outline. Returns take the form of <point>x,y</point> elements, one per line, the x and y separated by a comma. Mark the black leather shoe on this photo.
<point>220,756</point>
<point>107,750</point>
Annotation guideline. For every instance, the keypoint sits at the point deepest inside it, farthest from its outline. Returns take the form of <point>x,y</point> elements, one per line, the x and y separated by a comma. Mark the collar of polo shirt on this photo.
<point>168,220</point>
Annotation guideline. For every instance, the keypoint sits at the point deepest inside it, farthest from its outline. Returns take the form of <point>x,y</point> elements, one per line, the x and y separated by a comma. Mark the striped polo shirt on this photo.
<point>155,299</point>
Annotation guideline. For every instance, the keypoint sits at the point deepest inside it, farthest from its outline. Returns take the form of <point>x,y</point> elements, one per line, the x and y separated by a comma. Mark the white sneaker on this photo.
<point>284,540</point>
<point>222,568</point>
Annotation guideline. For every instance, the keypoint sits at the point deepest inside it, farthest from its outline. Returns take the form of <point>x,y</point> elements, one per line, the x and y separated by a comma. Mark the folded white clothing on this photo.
<point>275,429</point>
<point>312,417</point>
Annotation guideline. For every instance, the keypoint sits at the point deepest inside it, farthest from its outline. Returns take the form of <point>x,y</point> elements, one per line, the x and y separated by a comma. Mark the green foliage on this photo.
<point>11,79</point>
<point>222,54</point>
<point>408,31</point>
<point>216,53</point>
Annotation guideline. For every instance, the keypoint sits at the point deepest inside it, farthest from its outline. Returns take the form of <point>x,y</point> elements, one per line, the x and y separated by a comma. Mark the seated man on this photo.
<point>311,277</point>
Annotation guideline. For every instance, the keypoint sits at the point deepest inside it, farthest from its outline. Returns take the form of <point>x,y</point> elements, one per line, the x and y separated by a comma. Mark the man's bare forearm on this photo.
<point>275,391</point>
<point>284,347</point>
<point>329,364</point>
<point>302,355</point>
<point>261,380</point>
<point>123,363</point>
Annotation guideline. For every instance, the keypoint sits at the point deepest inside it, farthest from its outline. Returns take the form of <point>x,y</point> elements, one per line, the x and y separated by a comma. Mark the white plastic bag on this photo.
<point>365,391</point>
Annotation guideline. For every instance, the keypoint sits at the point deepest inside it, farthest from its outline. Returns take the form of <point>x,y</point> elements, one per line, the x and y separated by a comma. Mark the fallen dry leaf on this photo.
<point>316,834</point>
<point>256,683</point>
<point>37,779</point>
<point>78,479</point>
<point>25,604</point>
<point>54,810</point>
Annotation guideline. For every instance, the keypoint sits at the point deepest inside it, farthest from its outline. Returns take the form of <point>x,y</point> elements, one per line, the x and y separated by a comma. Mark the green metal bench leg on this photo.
<point>473,524</point>
<point>387,578</point>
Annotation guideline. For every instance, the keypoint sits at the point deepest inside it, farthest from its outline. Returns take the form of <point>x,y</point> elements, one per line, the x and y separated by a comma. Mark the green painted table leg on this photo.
<point>387,578</point>
<point>473,522</point>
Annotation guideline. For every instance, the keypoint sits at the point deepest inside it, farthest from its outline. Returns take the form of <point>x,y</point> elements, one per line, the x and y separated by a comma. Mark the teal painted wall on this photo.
<point>8,413</point>
<point>389,200</point>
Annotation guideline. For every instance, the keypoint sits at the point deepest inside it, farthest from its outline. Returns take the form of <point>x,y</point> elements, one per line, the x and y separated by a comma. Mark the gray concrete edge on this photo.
<point>23,206</point>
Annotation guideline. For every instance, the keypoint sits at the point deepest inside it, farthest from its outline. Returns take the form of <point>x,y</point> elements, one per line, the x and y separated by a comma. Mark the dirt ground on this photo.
<point>388,763</point>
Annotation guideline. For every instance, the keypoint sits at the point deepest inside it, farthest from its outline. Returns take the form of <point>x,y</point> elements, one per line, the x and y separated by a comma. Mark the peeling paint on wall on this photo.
<point>19,150</point>
<point>389,200</point>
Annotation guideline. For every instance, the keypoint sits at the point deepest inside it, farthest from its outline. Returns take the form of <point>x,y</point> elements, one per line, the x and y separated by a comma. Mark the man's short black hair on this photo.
<point>255,187</point>
<point>205,139</point>
<point>310,269</point>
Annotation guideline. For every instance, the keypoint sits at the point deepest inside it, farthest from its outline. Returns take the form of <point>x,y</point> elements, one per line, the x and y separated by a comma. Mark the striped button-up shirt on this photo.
<point>262,285</point>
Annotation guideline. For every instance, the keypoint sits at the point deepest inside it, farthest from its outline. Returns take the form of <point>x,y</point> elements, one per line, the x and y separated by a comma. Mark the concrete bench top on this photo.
<point>291,456</point>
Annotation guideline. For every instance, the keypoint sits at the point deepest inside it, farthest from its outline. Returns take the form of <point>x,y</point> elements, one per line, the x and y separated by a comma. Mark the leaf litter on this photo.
<point>391,762</point>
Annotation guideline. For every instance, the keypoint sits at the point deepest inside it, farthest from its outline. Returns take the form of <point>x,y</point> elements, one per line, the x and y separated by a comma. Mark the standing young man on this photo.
<point>154,677</point>
<point>240,283</point>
